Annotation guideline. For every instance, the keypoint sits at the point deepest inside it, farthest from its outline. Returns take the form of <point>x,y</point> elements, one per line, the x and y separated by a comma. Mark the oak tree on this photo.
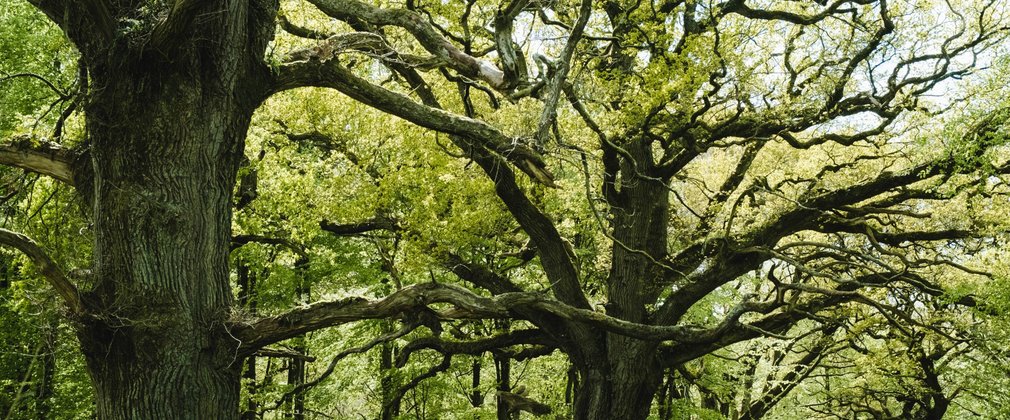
<point>789,151</point>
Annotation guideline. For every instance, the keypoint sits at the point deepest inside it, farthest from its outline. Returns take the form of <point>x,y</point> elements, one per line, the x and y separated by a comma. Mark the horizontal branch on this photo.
<point>238,241</point>
<point>358,228</point>
<point>897,239</point>
<point>474,347</point>
<point>409,301</point>
<point>480,275</point>
<point>46,266</point>
<point>740,7</point>
<point>264,331</point>
<point>284,354</point>
<point>45,160</point>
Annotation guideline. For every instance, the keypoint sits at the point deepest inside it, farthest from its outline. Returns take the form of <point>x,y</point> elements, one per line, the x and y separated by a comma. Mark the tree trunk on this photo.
<point>476,398</point>
<point>46,387</point>
<point>166,138</point>
<point>247,300</point>
<point>296,366</point>
<point>387,378</point>
<point>503,375</point>
<point>622,388</point>
<point>619,376</point>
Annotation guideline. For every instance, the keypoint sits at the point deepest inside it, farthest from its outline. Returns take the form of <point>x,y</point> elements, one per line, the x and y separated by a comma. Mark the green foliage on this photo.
<point>639,77</point>
<point>31,46</point>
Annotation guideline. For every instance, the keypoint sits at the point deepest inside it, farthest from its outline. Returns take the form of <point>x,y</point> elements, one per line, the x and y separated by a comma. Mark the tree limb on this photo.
<point>348,229</point>
<point>474,347</point>
<point>284,353</point>
<point>410,300</point>
<point>46,266</point>
<point>88,23</point>
<point>352,10</point>
<point>238,241</point>
<point>45,160</point>
<point>325,72</point>
<point>336,360</point>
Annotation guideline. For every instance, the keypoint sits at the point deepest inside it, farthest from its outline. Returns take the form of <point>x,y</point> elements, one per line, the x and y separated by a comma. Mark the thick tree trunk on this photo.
<point>165,143</point>
<point>621,375</point>
<point>622,388</point>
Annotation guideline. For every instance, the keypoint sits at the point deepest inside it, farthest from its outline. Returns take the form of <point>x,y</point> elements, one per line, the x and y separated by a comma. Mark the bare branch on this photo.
<point>348,229</point>
<point>284,353</point>
<point>352,11</point>
<point>300,31</point>
<point>45,160</point>
<point>740,7</point>
<point>264,331</point>
<point>49,269</point>
<point>413,299</point>
<point>480,276</point>
<point>549,114</point>
<point>509,53</point>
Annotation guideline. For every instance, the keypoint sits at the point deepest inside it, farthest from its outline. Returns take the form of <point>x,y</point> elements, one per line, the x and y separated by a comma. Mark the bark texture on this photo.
<point>166,115</point>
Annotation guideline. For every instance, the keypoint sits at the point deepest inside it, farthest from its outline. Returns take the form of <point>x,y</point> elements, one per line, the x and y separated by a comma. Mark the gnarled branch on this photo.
<point>324,72</point>
<point>89,23</point>
<point>354,11</point>
<point>413,299</point>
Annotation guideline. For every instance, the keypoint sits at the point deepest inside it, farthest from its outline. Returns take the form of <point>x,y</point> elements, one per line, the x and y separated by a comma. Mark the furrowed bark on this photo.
<point>165,137</point>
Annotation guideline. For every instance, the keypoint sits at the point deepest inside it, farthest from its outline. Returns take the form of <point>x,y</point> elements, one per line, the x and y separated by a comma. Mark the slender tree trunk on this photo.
<point>668,392</point>
<point>46,388</point>
<point>296,377</point>
<point>503,373</point>
<point>476,398</point>
<point>387,381</point>
<point>247,299</point>
<point>296,366</point>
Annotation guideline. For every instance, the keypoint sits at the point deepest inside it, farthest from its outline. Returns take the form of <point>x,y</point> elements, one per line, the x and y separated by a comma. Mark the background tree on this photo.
<point>654,182</point>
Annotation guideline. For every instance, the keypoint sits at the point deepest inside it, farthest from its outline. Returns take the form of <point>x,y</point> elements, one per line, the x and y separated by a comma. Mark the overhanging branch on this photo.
<point>256,334</point>
<point>88,23</point>
<point>45,160</point>
<point>351,11</point>
<point>329,73</point>
<point>49,269</point>
<point>410,301</point>
<point>348,229</point>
